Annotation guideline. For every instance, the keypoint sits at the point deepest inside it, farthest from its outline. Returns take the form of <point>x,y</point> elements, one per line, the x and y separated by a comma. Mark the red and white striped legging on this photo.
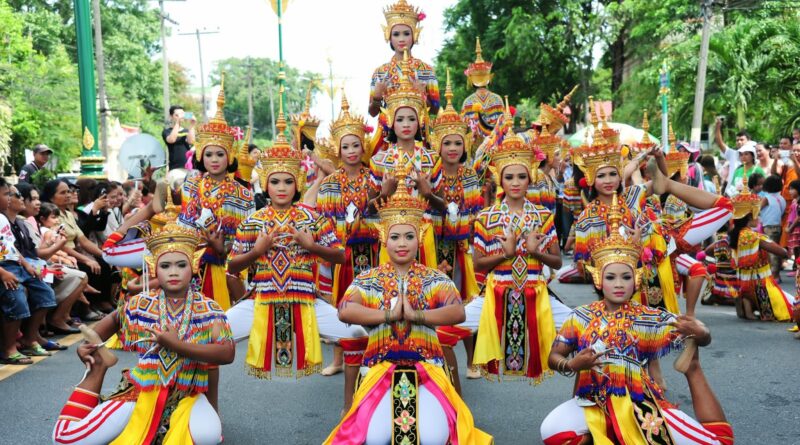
<point>566,425</point>
<point>85,422</point>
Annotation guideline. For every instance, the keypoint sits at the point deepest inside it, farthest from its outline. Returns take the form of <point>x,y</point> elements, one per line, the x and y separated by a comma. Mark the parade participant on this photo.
<point>461,191</point>
<point>280,246</point>
<point>613,339</point>
<point>215,203</point>
<point>482,108</point>
<point>758,290</point>
<point>177,334</point>
<point>406,395</point>
<point>726,286</point>
<point>407,157</point>
<point>343,197</point>
<point>514,241</point>
<point>402,31</point>
<point>602,165</point>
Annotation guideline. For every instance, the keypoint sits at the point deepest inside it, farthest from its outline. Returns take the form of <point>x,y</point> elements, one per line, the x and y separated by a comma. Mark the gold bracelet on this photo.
<point>387,314</point>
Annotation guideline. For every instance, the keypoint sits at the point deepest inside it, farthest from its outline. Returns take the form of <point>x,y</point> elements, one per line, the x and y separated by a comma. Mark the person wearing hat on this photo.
<point>41,154</point>
<point>695,171</point>
<point>747,157</point>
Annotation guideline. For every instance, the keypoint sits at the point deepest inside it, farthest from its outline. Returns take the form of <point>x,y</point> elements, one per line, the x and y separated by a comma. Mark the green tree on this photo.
<point>41,91</point>
<point>264,73</point>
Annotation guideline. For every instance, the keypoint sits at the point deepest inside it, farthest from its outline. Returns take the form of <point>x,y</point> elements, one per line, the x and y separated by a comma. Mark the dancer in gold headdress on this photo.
<point>757,288</point>
<point>178,334</point>
<point>482,108</point>
<point>214,202</point>
<point>613,339</point>
<point>344,198</point>
<point>514,241</point>
<point>406,396</point>
<point>407,158</point>
<point>402,32</point>
<point>461,191</point>
<point>280,246</point>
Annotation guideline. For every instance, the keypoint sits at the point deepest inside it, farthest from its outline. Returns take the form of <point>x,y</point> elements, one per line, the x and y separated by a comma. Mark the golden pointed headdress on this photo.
<point>405,94</point>
<point>645,144</point>
<point>479,73</point>
<point>513,150</point>
<point>609,134</point>
<point>545,141</point>
<point>326,150</point>
<point>555,116</point>
<point>614,249</point>
<point>173,237</point>
<point>245,162</point>
<point>282,157</point>
<point>601,153</point>
<point>746,203</point>
<point>347,124</point>
<point>216,131</point>
<point>676,161</point>
<point>449,122</point>
<point>402,13</point>
<point>305,123</point>
<point>401,208</point>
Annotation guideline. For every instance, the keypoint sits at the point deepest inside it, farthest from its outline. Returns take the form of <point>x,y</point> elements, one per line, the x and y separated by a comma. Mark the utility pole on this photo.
<point>700,88</point>
<point>165,61</point>
<point>250,94</point>
<point>101,76</point>
<point>271,109</point>
<point>197,33</point>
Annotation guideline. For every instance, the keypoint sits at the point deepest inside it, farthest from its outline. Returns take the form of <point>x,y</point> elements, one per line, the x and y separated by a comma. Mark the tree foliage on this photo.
<point>614,49</point>
<point>131,43</point>
<point>264,74</point>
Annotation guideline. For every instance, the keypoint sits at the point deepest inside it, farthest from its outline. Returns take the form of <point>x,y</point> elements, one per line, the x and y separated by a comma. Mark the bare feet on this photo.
<point>683,362</point>
<point>473,372</point>
<point>332,369</point>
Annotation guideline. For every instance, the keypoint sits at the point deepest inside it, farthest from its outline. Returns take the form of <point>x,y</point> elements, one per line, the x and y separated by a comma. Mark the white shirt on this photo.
<point>7,239</point>
<point>733,163</point>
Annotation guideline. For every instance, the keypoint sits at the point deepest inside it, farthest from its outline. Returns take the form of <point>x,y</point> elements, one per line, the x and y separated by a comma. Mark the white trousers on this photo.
<point>240,318</point>
<point>569,417</point>
<point>432,427</point>
<point>474,308</point>
<point>108,419</point>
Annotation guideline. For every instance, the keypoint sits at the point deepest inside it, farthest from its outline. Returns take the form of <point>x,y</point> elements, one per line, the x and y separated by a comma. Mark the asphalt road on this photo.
<point>752,366</point>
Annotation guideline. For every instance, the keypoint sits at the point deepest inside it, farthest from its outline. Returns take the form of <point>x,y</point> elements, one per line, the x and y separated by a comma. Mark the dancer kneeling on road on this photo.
<point>178,334</point>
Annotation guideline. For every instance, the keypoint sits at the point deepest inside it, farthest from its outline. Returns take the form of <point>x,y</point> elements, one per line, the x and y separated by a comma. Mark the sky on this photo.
<point>348,32</point>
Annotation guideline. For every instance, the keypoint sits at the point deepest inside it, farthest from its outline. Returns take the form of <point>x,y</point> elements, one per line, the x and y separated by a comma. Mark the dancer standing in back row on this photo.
<point>402,31</point>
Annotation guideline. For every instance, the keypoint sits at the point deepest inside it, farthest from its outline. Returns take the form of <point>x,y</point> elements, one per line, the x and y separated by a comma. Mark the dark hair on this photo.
<point>708,164</point>
<point>3,182</point>
<point>754,178</point>
<point>306,142</point>
<point>788,138</point>
<point>173,108</point>
<point>87,189</point>
<point>50,187</point>
<point>198,165</point>
<point>46,210</point>
<point>773,184</point>
<point>738,225</point>
<point>745,134</point>
<point>251,147</point>
<point>25,190</point>
<point>795,185</point>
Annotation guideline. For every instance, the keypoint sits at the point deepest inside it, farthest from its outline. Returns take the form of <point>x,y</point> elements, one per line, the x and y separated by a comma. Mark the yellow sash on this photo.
<point>138,426</point>
<point>263,322</point>
<point>625,420</point>
<point>778,301</point>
